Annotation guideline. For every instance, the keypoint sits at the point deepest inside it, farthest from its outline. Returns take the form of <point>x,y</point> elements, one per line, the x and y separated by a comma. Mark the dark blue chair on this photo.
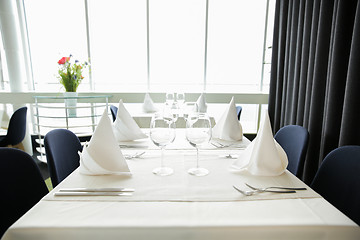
<point>16,130</point>
<point>113,111</point>
<point>22,185</point>
<point>338,180</point>
<point>294,140</point>
<point>238,111</point>
<point>61,148</point>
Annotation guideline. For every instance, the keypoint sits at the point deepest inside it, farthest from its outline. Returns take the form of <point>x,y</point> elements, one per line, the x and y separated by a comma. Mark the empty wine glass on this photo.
<point>198,132</point>
<point>171,108</point>
<point>170,98</point>
<point>180,98</point>
<point>162,132</point>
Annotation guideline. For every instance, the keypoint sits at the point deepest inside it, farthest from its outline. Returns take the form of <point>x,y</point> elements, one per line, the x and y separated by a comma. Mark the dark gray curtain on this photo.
<point>315,74</point>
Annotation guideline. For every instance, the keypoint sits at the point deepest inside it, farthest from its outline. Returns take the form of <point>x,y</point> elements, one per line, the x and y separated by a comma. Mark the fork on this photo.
<point>218,145</point>
<point>136,155</point>
<point>249,193</point>
<point>221,145</point>
<point>265,189</point>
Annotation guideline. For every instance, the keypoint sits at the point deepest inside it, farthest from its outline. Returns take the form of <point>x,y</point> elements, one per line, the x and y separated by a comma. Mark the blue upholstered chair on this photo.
<point>338,180</point>
<point>16,130</point>
<point>113,111</point>
<point>61,148</point>
<point>294,140</point>
<point>22,185</point>
<point>238,111</point>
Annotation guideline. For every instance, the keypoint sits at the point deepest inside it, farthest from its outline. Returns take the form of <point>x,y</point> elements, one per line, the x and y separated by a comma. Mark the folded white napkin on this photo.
<point>125,127</point>
<point>103,154</point>
<point>148,105</point>
<point>4,119</point>
<point>264,156</point>
<point>228,127</point>
<point>200,105</point>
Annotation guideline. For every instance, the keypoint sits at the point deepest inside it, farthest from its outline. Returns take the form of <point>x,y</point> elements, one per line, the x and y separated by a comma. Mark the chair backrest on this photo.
<point>338,180</point>
<point>22,185</point>
<point>113,111</point>
<point>238,111</point>
<point>17,127</point>
<point>294,140</point>
<point>61,147</point>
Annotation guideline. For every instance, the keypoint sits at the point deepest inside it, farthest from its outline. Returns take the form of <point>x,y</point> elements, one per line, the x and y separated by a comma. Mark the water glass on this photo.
<point>162,133</point>
<point>198,132</point>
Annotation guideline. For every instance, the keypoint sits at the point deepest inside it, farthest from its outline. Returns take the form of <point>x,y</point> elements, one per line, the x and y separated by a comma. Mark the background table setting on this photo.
<point>181,204</point>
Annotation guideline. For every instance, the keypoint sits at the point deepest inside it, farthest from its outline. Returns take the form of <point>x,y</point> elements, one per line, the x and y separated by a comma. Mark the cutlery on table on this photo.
<point>267,188</point>
<point>97,189</point>
<point>92,194</point>
<point>220,145</point>
<point>95,192</point>
<point>249,193</point>
<point>136,155</point>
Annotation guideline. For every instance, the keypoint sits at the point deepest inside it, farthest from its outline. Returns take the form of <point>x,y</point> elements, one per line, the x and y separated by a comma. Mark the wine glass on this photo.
<point>198,132</point>
<point>180,98</point>
<point>170,98</point>
<point>162,132</point>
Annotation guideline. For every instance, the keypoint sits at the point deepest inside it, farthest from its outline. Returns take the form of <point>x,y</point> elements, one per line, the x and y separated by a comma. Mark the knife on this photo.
<point>96,190</point>
<point>92,194</point>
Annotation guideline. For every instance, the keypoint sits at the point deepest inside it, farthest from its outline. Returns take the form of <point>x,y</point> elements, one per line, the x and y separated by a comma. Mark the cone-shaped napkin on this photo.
<point>201,105</point>
<point>103,154</point>
<point>148,105</point>
<point>125,127</point>
<point>228,127</point>
<point>4,119</point>
<point>264,156</point>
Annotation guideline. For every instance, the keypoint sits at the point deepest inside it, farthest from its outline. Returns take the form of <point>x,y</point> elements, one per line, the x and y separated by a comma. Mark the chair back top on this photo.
<point>17,127</point>
<point>238,111</point>
<point>22,185</point>
<point>113,111</point>
<point>338,180</point>
<point>294,140</point>
<point>61,147</point>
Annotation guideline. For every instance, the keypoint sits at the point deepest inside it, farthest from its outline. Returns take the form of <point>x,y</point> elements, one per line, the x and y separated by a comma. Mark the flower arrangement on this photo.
<point>70,74</point>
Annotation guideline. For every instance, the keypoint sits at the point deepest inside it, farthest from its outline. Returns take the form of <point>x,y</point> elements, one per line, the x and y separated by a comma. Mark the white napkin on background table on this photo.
<point>148,105</point>
<point>4,119</point>
<point>228,127</point>
<point>103,154</point>
<point>200,105</point>
<point>125,127</point>
<point>264,156</point>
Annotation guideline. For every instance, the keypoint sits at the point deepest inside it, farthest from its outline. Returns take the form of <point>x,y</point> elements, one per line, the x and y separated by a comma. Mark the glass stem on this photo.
<point>197,158</point>
<point>162,157</point>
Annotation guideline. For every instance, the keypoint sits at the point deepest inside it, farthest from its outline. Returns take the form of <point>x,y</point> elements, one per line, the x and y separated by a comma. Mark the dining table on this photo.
<point>183,206</point>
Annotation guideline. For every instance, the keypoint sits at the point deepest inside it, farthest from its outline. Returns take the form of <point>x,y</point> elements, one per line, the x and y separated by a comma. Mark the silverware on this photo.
<point>132,146</point>
<point>218,145</point>
<point>221,145</point>
<point>136,155</point>
<point>249,193</point>
<point>264,189</point>
<point>92,194</point>
<point>96,190</point>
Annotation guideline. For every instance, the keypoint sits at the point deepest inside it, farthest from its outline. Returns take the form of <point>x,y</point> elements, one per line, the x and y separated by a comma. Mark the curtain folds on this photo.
<point>315,74</point>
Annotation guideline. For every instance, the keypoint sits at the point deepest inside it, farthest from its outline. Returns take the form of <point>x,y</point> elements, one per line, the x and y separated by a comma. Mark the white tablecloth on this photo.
<point>181,186</point>
<point>181,206</point>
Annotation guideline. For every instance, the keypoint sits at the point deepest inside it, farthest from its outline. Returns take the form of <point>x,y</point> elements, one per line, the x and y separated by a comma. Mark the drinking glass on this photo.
<point>170,98</point>
<point>162,133</point>
<point>198,132</point>
<point>180,98</point>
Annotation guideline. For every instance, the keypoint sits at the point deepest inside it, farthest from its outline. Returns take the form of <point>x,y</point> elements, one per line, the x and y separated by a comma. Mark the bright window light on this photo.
<point>152,45</point>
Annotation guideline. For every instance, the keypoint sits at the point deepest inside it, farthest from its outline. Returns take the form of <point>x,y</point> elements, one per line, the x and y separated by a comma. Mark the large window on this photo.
<point>152,45</point>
